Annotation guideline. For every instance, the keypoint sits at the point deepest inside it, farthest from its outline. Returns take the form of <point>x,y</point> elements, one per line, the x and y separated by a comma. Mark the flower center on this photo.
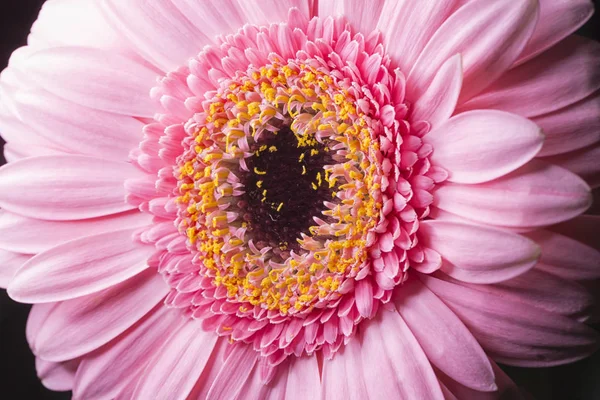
<point>284,189</point>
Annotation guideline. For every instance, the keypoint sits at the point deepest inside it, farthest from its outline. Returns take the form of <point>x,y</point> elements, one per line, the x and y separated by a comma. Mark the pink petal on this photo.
<point>571,128</point>
<point>95,79</point>
<point>80,267</point>
<point>174,370</point>
<point>303,381</point>
<point>545,291</point>
<point>9,264</point>
<point>56,376</point>
<point>335,382</point>
<point>363,22</point>
<point>268,12</point>
<point>73,187</point>
<point>106,372</point>
<point>583,162</point>
<point>157,29</point>
<point>482,145</point>
<point>438,102</point>
<point>535,195</point>
<point>76,327</point>
<point>553,80</point>
<point>364,297</point>
<point>49,234</point>
<point>582,228</point>
<point>558,19</point>
<point>212,18</point>
<point>490,35</point>
<point>79,129</point>
<point>450,346</point>
<point>234,372</point>
<point>408,26</point>
<point>275,389</point>
<point>37,317</point>
<point>516,333</point>
<point>403,369</point>
<point>567,257</point>
<point>479,254</point>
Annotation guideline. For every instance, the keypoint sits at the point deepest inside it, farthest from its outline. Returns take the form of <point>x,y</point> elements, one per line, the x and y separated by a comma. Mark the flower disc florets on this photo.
<point>289,149</point>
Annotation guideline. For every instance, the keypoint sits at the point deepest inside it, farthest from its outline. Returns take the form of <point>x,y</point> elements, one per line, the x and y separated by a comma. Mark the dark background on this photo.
<point>18,380</point>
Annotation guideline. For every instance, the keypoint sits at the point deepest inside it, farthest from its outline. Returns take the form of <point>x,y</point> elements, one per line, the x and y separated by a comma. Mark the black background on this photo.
<point>18,380</point>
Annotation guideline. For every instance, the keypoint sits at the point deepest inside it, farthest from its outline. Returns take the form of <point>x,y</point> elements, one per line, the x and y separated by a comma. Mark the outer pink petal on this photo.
<point>275,389</point>
<point>157,29</point>
<point>479,254</point>
<point>490,35</point>
<point>15,152</point>
<point>558,19</point>
<point>571,128</point>
<point>272,11</point>
<point>106,372</point>
<point>79,129</point>
<point>80,267</point>
<point>482,145</point>
<point>56,376</point>
<point>449,346</point>
<point>37,317</point>
<point>535,195</point>
<point>438,102</point>
<point>94,78</point>
<point>72,187</point>
<point>516,333</point>
<point>79,326</point>
<point>303,381</point>
<point>16,231</point>
<point>407,26</point>
<point>335,382</point>
<point>364,21</point>
<point>567,257</point>
<point>583,162</point>
<point>553,80</point>
<point>545,291</point>
<point>234,372</point>
<point>9,264</point>
<point>403,368</point>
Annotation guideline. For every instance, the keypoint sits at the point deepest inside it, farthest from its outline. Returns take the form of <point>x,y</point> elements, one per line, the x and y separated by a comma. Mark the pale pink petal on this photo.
<point>174,370</point>
<point>303,381</point>
<point>535,195</point>
<point>516,333</point>
<point>450,346</point>
<point>56,376</point>
<point>9,264</point>
<point>544,291</point>
<point>211,370</point>
<point>37,317</point>
<point>79,326</point>
<point>482,145</point>
<point>107,371</point>
<point>345,363</point>
<point>403,369</point>
<point>364,21</point>
<point>558,19</point>
<point>582,162</point>
<point>157,29</point>
<point>490,35</point>
<point>74,23</point>
<point>553,80</point>
<point>268,12</point>
<point>72,187</point>
<point>438,102</point>
<point>479,254</point>
<point>17,151</point>
<point>407,26</point>
<point>567,257</point>
<point>213,17</point>
<point>275,389</point>
<point>79,129</point>
<point>234,372</point>
<point>94,78</point>
<point>80,267</point>
<point>21,136</point>
<point>571,128</point>
<point>16,231</point>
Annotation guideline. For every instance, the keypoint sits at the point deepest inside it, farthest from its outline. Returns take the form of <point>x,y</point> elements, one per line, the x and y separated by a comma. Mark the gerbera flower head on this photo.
<point>292,199</point>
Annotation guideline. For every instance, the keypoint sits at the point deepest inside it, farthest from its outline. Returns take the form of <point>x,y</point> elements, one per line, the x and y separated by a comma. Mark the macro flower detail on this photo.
<point>297,199</point>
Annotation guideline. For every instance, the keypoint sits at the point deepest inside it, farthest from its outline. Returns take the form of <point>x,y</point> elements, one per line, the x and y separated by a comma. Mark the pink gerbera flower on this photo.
<point>300,199</point>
